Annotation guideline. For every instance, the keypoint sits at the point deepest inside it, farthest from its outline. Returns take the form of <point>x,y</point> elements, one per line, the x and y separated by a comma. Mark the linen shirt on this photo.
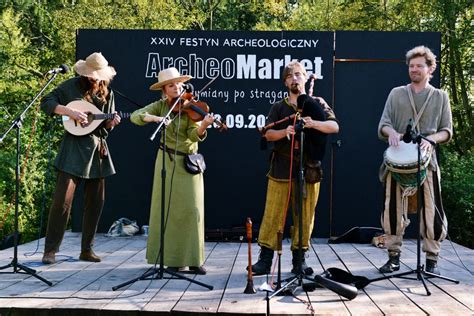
<point>435,118</point>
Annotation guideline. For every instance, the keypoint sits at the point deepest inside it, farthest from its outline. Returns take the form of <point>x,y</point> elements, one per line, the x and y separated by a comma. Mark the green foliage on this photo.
<point>37,34</point>
<point>457,176</point>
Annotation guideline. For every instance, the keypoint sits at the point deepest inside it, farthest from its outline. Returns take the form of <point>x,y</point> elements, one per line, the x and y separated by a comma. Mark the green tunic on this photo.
<point>184,196</point>
<point>79,155</point>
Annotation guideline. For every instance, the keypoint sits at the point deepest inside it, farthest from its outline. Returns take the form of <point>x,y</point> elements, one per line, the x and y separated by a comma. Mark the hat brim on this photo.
<point>159,85</point>
<point>83,69</point>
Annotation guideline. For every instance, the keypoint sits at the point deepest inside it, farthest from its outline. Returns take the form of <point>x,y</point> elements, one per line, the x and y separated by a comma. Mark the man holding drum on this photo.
<point>429,111</point>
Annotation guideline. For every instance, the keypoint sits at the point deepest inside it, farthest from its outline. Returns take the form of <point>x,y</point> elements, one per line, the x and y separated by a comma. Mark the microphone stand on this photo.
<point>292,283</point>
<point>346,278</point>
<point>420,271</point>
<point>161,269</point>
<point>18,123</point>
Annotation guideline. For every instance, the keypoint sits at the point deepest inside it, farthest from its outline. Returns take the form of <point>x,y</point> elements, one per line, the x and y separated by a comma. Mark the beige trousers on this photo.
<point>433,226</point>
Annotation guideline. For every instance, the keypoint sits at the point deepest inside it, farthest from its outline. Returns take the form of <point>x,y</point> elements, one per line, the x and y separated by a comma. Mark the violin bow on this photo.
<point>205,86</point>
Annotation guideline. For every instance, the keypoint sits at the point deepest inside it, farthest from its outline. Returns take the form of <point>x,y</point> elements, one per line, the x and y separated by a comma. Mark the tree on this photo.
<point>38,35</point>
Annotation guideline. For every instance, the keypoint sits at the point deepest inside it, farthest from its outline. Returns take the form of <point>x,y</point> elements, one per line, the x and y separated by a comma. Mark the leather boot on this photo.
<point>431,266</point>
<point>264,263</point>
<point>393,263</point>
<point>304,267</point>
<point>49,257</point>
<point>89,255</point>
<point>198,270</point>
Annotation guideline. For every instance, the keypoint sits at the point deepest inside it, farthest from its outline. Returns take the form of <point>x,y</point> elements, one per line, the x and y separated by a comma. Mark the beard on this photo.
<point>417,77</point>
<point>295,89</point>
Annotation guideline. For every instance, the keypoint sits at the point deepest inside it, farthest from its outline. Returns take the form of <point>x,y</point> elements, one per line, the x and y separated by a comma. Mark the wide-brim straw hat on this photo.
<point>169,75</point>
<point>95,66</point>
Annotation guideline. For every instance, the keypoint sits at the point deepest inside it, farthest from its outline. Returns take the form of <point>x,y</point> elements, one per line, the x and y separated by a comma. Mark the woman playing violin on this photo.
<point>184,217</point>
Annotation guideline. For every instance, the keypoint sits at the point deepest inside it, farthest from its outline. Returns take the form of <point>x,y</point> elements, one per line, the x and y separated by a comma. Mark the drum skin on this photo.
<point>402,161</point>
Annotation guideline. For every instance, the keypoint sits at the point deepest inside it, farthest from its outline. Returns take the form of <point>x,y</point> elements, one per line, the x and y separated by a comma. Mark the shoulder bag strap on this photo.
<point>412,102</point>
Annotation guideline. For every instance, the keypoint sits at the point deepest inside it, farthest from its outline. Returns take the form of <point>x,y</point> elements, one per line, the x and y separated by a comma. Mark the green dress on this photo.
<point>184,208</point>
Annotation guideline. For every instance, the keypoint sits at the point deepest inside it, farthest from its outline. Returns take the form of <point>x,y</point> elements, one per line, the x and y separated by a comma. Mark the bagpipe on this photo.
<point>307,106</point>
<point>342,282</point>
<point>314,140</point>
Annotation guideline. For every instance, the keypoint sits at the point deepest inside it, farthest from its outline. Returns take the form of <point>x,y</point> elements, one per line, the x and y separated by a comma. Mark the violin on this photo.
<point>196,110</point>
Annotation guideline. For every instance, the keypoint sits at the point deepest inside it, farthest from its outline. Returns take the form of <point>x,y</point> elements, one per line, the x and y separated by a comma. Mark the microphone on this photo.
<point>61,69</point>
<point>188,87</point>
<point>408,136</point>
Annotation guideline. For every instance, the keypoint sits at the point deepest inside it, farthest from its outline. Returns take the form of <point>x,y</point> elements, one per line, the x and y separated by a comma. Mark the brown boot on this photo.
<point>49,257</point>
<point>89,255</point>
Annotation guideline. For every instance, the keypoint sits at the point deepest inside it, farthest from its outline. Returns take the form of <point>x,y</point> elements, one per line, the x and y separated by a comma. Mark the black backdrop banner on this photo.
<point>247,69</point>
<point>238,74</point>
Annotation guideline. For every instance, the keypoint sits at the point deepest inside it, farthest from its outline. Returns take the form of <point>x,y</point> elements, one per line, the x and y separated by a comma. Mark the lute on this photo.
<point>94,118</point>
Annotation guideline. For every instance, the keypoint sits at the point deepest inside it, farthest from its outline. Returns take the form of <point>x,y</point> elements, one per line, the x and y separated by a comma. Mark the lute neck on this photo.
<point>109,116</point>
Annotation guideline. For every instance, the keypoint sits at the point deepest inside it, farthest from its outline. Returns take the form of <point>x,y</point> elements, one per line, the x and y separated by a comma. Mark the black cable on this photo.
<point>43,198</point>
<point>126,98</point>
<point>445,226</point>
<point>171,185</point>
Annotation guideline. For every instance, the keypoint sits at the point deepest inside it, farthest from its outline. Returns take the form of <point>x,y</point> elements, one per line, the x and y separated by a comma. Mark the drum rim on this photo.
<point>410,167</point>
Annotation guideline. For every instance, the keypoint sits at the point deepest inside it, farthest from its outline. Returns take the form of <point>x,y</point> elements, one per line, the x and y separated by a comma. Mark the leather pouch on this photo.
<point>313,172</point>
<point>194,163</point>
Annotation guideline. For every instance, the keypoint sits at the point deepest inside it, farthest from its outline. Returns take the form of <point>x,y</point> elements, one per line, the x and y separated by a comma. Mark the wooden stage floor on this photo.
<point>82,288</point>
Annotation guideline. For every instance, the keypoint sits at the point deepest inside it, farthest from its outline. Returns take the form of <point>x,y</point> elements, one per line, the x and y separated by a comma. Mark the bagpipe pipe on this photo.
<point>341,282</point>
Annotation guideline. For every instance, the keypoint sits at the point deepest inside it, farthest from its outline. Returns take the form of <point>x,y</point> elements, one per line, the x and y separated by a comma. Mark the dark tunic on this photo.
<point>282,148</point>
<point>79,155</point>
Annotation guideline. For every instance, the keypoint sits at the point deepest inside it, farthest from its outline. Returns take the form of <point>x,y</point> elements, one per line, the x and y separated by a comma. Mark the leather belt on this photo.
<point>172,152</point>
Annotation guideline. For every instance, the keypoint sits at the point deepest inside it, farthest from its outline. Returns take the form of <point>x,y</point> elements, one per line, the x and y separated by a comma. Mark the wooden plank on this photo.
<point>450,267</point>
<point>321,301</point>
<point>30,255</point>
<point>144,291</point>
<point>139,292</point>
<point>68,277</point>
<point>124,259</point>
<point>92,284</point>
<point>361,304</point>
<point>234,300</point>
<point>366,302</point>
<point>136,296</point>
<point>456,254</point>
<point>415,291</point>
<point>219,266</point>
<point>171,292</point>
